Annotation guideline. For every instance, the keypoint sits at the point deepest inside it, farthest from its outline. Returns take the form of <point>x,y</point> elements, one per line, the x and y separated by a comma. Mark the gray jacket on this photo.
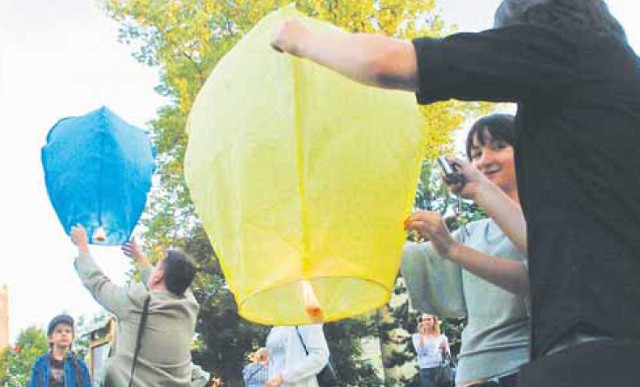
<point>165,351</point>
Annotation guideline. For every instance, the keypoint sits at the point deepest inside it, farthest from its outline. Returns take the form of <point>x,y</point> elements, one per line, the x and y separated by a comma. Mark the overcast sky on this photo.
<point>61,58</point>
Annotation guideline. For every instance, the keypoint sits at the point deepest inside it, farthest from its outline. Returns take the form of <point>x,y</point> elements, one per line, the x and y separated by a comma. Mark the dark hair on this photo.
<point>591,15</point>
<point>500,126</point>
<point>178,272</point>
<point>60,319</point>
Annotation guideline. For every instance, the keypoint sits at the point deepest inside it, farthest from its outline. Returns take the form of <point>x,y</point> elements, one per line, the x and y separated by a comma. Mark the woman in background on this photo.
<point>430,346</point>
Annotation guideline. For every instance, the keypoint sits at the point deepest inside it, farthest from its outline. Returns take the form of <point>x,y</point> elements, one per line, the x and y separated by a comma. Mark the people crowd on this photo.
<point>569,68</point>
<point>547,279</point>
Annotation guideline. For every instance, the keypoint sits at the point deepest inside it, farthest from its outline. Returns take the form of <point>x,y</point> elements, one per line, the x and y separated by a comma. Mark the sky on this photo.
<point>61,58</point>
<point>57,59</point>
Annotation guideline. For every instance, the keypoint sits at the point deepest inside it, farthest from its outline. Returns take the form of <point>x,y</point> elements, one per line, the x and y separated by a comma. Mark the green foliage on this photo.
<point>16,362</point>
<point>393,322</point>
<point>347,351</point>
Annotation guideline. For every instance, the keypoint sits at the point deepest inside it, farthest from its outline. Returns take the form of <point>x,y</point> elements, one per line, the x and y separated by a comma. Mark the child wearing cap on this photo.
<point>60,367</point>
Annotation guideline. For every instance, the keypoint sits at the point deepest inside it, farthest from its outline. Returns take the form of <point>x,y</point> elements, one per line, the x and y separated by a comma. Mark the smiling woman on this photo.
<point>490,148</point>
<point>496,318</point>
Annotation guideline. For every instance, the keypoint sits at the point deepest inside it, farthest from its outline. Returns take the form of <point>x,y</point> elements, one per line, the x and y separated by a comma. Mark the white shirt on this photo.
<point>288,358</point>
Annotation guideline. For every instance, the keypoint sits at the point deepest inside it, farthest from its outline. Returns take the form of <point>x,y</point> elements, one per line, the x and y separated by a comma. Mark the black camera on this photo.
<point>451,174</point>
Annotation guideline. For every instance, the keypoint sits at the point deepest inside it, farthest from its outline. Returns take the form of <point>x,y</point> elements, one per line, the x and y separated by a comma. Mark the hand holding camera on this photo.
<point>452,176</point>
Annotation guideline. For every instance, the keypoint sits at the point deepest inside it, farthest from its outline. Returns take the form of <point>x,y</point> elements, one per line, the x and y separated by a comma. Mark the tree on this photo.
<point>16,362</point>
<point>393,323</point>
<point>185,39</point>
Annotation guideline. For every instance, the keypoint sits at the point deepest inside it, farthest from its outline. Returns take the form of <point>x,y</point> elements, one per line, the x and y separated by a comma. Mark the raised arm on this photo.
<point>111,296</point>
<point>373,60</point>
<point>132,250</point>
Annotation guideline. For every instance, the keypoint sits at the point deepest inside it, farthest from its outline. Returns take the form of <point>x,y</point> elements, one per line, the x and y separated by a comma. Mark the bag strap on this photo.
<point>254,372</point>
<point>307,352</point>
<point>447,358</point>
<point>143,321</point>
<point>302,341</point>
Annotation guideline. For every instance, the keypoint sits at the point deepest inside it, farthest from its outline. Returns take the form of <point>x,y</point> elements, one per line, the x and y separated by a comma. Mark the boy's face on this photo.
<point>62,336</point>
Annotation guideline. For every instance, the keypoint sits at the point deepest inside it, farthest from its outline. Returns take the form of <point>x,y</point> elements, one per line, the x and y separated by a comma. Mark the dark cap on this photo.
<point>60,319</point>
<point>512,11</point>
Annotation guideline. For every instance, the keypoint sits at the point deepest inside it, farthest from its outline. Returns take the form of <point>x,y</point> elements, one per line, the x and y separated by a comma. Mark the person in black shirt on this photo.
<point>568,66</point>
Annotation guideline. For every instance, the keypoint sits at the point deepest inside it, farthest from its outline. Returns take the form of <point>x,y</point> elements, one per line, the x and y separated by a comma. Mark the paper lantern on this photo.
<point>98,170</point>
<point>302,179</point>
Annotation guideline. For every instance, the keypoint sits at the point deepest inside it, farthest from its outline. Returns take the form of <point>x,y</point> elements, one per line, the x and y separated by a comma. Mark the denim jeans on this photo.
<point>428,377</point>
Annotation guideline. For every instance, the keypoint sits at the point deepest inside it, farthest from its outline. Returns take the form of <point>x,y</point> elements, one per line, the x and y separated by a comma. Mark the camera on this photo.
<point>451,175</point>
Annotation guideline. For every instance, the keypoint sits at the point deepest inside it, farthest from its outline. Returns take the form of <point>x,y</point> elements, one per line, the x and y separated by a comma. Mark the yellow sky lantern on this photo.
<point>302,179</point>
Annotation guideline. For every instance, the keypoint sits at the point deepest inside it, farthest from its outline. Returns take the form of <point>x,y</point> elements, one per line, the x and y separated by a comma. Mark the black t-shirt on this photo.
<point>577,163</point>
<point>56,372</point>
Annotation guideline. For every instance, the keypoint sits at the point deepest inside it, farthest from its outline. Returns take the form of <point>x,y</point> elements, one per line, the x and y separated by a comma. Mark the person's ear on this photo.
<point>160,274</point>
<point>157,276</point>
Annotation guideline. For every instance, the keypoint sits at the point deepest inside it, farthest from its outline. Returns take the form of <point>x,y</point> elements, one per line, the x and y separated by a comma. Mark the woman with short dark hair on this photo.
<point>476,272</point>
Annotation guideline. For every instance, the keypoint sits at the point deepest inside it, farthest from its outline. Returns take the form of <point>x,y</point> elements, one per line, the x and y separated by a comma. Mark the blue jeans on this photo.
<point>428,377</point>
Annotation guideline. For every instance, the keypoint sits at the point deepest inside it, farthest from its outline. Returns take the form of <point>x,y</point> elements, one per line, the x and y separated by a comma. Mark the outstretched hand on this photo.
<point>289,36</point>
<point>132,249</point>
<point>79,237</point>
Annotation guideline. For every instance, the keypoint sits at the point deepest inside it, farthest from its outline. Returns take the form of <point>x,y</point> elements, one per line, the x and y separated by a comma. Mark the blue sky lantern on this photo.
<point>98,171</point>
